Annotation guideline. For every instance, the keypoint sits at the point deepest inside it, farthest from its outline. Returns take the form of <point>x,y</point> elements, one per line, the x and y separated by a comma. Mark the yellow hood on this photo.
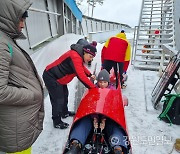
<point>121,35</point>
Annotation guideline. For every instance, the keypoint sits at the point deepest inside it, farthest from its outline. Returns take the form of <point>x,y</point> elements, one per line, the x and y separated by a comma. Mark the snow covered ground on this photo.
<point>148,135</point>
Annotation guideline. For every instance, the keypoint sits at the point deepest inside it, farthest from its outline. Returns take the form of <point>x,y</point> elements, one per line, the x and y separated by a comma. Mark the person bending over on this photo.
<point>60,72</point>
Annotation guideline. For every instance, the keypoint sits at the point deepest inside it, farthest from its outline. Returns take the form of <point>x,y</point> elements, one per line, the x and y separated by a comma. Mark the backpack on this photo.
<point>171,109</point>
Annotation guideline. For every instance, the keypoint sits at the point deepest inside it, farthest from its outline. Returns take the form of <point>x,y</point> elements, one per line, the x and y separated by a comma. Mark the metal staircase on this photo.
<point>156,27</point>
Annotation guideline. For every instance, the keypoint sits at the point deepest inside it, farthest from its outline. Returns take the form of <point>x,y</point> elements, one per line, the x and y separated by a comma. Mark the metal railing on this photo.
<point>169,51</point>
<point>43,11</point>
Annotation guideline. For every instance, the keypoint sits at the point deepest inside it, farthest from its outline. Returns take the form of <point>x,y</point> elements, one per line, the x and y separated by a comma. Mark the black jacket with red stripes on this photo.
<point>69,65</point>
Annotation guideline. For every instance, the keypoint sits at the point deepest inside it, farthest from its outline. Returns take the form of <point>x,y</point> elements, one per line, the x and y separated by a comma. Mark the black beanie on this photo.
<point>103,76</point>
<point>82,42</point>
<point>90,49</point>
<point>25,14</point>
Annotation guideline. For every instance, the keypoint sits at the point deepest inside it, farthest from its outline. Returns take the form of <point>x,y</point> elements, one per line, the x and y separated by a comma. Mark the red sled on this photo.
<point>108,103</point>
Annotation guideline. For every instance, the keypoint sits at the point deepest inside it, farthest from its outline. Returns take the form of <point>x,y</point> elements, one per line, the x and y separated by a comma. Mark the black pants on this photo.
<point>109,64</point>
<point>58,95</point>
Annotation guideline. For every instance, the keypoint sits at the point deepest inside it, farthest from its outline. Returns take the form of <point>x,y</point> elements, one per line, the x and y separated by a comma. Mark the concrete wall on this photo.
<point>102,36</point>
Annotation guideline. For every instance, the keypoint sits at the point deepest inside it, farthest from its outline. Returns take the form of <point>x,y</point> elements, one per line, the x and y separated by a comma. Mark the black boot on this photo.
<point>58,123</point>
<point>75,148</point>
<point>118,150</point>
<point>68,114</point>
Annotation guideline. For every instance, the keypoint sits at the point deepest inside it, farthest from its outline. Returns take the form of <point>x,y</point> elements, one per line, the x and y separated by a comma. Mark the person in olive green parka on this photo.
<point>21,91</point>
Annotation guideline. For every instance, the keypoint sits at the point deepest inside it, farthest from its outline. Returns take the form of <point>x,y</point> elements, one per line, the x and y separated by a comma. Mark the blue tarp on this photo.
<point>75,10</point>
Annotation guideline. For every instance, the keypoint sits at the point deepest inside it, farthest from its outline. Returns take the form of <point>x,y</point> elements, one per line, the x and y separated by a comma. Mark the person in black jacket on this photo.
<point>60,72</point>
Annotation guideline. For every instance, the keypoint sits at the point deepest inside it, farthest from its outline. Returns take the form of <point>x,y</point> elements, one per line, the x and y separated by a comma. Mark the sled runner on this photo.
<point>167,81</point>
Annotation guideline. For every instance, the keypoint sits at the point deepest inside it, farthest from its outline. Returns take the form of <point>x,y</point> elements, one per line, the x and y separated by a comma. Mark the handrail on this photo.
<point>166,50</point>
<point>43,11</point>
<point>134,45</point>
<point>169,50</point>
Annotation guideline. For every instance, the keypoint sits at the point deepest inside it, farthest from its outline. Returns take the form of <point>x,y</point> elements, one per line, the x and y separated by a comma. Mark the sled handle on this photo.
<point>94,72</point>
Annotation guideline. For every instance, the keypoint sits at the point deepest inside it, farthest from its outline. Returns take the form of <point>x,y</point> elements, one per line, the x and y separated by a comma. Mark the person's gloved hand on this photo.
<point>93,77</point>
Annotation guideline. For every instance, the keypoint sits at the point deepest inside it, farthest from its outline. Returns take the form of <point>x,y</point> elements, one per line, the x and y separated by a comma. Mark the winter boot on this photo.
<point>58,123</point>
<point>75,147</point>
<point>118,150</point>
<point>68,114</point>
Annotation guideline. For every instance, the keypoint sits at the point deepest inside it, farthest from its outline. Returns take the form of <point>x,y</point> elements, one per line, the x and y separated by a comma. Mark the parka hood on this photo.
<point>121,35</point>
<point>78,48</point>
<point>11,12</point>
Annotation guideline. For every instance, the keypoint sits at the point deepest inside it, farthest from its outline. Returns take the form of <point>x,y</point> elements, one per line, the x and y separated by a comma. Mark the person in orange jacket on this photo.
<point>116,51</point>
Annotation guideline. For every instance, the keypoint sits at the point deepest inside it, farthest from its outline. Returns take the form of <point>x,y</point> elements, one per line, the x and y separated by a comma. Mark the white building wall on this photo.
<point>103,26</point>
<point>93,26</point>
<point>99,24</point>
<point>84,27</point>
<point>89,26</point>
<point>47,19</point>
<point>53,18</point>
<point>35,30</point>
